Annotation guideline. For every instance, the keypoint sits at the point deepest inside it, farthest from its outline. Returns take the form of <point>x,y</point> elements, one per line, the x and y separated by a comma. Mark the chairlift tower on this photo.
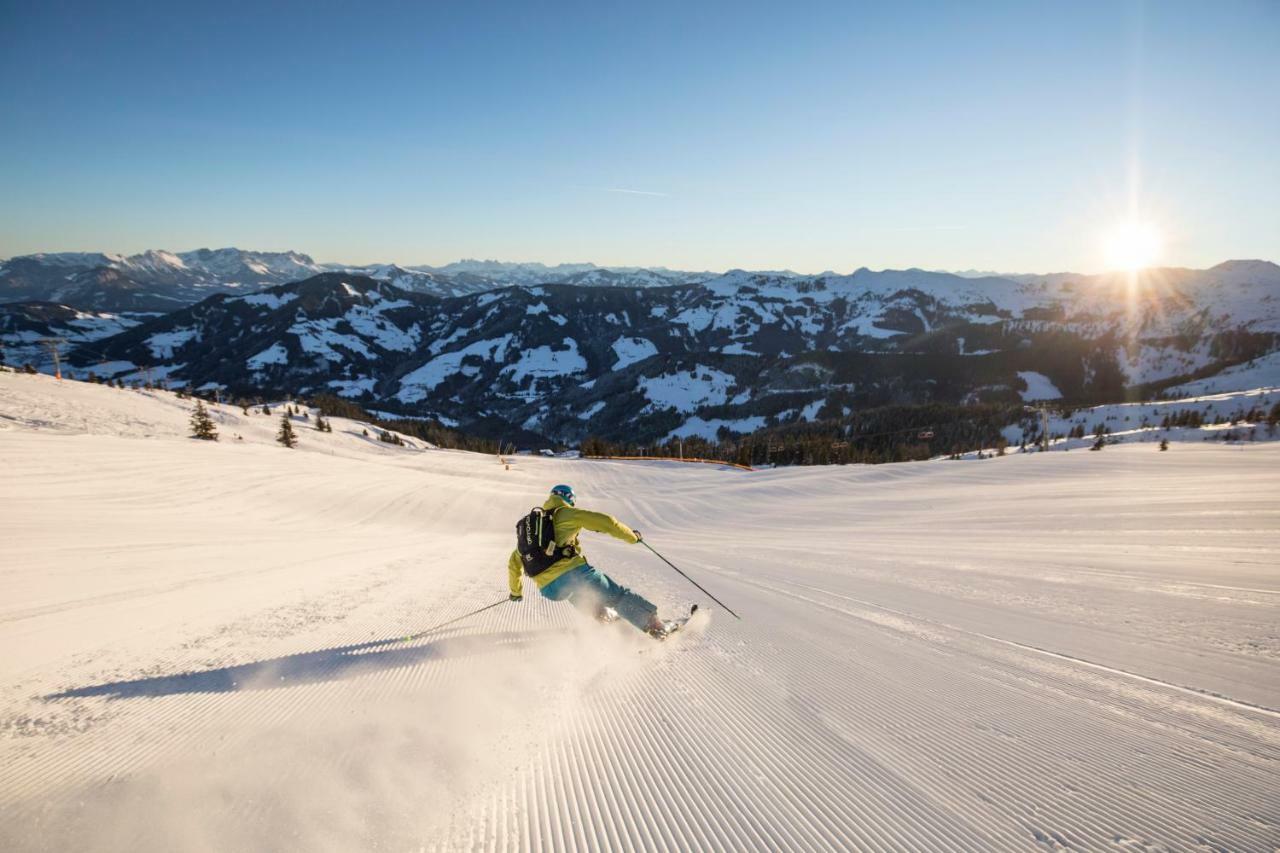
<point>1043,413</point>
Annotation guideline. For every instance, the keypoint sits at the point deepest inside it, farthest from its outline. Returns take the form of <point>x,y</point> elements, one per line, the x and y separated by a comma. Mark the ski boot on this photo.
<point>660,629</point>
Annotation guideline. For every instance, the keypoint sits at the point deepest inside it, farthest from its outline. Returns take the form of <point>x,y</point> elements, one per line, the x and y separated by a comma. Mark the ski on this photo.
<point>673,626</point>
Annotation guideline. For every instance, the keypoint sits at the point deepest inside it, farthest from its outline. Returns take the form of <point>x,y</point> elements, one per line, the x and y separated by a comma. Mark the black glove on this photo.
<point>637,533</point>
<point>515,598</point>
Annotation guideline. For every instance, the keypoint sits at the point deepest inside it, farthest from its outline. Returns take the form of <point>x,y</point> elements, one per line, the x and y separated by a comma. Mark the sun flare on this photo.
<point>1133,246</point>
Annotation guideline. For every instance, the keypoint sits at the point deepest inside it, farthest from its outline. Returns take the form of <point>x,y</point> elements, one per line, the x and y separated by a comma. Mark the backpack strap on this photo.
<point>562,552</point>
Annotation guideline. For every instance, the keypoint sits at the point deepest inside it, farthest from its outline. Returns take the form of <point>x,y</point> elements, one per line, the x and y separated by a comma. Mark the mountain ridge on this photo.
<point>734,354</point>
<point>158,280</point>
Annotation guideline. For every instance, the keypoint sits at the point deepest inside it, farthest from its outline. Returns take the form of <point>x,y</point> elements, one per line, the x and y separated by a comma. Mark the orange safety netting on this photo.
<point>673,459</point>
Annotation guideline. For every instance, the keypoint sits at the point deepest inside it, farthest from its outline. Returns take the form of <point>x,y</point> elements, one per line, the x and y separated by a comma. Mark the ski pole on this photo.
<point>689,579</point>
<point>451,621</point>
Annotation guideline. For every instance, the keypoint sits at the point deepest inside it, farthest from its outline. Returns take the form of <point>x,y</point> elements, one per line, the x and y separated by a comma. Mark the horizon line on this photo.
<point>965,272</point>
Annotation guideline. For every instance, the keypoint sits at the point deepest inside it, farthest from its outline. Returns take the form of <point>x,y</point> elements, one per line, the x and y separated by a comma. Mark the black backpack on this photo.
<point>536,542</point>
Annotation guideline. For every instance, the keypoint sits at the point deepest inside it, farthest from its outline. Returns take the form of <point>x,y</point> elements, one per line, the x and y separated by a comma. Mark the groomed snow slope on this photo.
<point>1060,650</point>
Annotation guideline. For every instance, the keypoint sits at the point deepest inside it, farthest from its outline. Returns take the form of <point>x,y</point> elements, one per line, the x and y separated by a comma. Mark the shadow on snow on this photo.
<point>330,664</point>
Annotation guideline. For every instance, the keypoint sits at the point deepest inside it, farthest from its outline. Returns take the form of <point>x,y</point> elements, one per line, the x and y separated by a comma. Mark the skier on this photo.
<point>571,577</point>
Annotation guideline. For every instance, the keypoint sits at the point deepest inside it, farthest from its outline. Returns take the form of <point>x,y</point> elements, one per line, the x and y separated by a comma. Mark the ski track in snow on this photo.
<point>1071,651</point>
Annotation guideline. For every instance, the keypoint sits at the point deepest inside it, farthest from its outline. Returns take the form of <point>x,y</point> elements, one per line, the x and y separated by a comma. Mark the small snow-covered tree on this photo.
<point>202,425</point>
<point>1100,443</point>
<point>286,435</point>
<point>1164,444</point>
<point>265,409</point>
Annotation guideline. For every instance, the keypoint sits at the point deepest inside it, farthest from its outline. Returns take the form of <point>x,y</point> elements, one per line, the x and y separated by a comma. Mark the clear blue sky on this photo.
<point>1000,136</point>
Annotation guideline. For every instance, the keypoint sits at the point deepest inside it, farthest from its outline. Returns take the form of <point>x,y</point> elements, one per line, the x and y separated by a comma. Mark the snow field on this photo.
<point>41,404</point>
<point>687,390</point>
<point>1063,650</point>
<point>1140,422</point>
<point>1259,373</point>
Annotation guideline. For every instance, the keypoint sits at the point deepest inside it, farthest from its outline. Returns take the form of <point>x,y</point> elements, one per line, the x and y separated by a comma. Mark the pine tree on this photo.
<point>265,410</point>
<point>202,425</point>
<point>1164,444</point>
<point>1100,443</point>
<point>321,424</point>
<point>286,436</point>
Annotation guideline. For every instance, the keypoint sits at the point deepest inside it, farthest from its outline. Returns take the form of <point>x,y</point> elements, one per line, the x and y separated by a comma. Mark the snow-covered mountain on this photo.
<point>468,277</point>
<point>506,274</point>
<point>737,353</point>
<point>24,326</point>
<point>426,281</point>
<point>153,281</point>
<point>516,273</point>
<point>159,281</point>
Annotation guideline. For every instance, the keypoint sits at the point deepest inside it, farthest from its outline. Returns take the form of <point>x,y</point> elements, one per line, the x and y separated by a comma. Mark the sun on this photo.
<point>1133,245</point>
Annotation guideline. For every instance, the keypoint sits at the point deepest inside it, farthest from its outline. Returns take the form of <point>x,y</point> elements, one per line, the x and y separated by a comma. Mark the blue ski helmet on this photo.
<point>564,492</point>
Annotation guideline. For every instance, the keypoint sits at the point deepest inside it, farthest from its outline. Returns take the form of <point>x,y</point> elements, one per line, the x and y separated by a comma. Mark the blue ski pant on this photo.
<point>590,590</point>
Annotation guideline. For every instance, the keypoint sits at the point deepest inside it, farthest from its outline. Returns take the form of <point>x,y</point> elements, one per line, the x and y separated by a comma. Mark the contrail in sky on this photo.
<point>631,192</point>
